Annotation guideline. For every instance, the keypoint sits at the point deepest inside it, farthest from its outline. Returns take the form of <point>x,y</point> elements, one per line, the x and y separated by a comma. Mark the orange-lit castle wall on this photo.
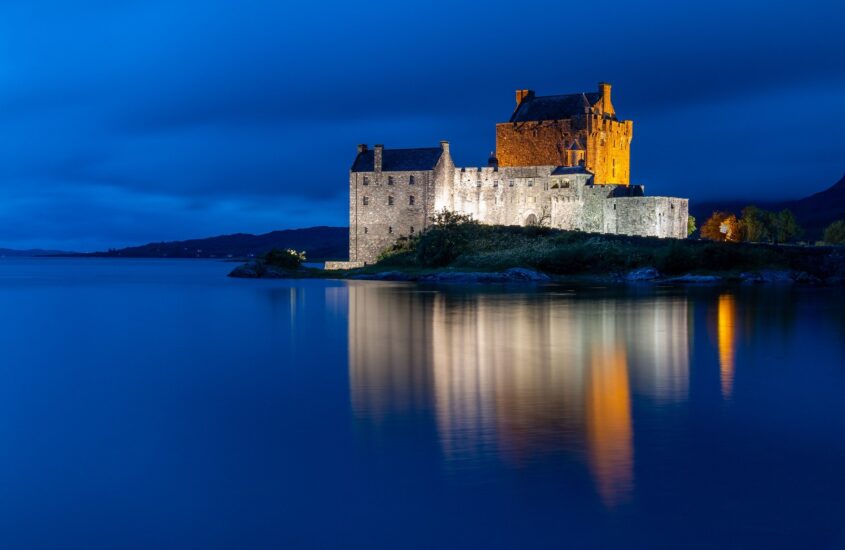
<point>565,131</point>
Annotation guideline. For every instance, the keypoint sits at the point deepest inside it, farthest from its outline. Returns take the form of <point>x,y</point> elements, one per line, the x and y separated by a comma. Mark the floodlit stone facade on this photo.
<point>566,130</point>
<point>562,161</point>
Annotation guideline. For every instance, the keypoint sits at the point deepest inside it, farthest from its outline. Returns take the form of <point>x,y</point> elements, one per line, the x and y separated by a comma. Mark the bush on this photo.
<point>447,239</point>
<point>677,258</point>
<point>286,259</point>
<point>835,233</point>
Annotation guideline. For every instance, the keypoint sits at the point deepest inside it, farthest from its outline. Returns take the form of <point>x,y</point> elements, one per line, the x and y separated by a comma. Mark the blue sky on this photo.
<point>136,121</point>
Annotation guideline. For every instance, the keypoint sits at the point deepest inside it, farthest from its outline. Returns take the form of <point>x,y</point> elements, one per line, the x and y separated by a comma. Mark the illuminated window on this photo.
<point>411,200</point>
<point>366,201</point>
<point>390,200</point>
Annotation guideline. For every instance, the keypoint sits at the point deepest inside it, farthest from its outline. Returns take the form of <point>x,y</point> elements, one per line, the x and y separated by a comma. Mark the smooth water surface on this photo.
<point>152,404</point>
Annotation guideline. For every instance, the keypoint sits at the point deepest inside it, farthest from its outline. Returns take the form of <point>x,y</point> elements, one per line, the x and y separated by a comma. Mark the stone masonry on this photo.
<point>562,161</point>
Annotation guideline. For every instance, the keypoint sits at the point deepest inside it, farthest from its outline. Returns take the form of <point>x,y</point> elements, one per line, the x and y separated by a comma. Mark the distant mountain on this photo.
<point>818,211</point>
<point>319,243</point>
<point>814,213</point>
<point>9,252</point>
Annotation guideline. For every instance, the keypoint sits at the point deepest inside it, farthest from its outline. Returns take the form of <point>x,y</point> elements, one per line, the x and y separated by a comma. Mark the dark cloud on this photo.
<point>122,122</point>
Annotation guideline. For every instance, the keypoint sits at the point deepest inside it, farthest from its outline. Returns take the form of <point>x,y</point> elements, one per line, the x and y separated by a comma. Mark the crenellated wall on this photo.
<point>536,195</point>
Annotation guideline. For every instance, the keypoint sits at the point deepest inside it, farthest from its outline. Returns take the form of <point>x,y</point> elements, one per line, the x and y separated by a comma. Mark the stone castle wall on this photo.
<point>398,204</point>
<point>535,195</point>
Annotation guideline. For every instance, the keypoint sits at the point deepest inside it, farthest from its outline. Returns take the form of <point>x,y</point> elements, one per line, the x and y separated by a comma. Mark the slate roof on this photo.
<point>399,160</point>
<point>553,107</point>
<point>566,170</point>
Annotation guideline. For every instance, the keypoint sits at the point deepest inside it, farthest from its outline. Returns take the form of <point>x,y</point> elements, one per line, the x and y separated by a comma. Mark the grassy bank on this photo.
<point>469,246</point>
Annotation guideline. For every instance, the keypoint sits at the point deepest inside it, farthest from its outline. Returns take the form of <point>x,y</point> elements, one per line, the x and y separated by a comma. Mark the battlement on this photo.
<point>560,161</point>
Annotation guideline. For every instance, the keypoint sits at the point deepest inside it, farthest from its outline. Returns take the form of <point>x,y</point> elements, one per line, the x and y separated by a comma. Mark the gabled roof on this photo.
<point>566,170</point>
<point>575,146</point>
<point>554,107</point>
<point>399,160</point>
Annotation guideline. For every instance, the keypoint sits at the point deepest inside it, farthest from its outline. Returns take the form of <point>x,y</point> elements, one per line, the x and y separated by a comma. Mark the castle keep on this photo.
<point>561,161</point>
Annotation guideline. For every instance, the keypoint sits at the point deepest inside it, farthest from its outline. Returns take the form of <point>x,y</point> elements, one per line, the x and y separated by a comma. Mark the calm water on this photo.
<point>160,404</point>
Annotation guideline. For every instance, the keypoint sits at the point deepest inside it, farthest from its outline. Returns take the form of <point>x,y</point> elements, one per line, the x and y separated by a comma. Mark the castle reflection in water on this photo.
<point>521,376</point>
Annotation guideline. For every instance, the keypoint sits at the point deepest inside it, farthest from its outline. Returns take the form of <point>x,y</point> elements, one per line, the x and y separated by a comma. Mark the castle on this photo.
<point>561,161</point>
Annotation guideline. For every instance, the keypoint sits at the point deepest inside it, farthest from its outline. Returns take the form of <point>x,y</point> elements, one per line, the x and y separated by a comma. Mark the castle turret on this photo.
<point>606,105</point>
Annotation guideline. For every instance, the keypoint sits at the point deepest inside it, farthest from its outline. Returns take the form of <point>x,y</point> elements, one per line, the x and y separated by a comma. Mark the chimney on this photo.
<point>378,151</point>
<point>604,89</point>
<point>444,146</point>
<point>522,95</point>
<point>362,148</point>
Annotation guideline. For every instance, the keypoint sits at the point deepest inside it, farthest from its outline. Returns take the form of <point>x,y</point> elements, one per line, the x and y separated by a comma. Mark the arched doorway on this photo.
<point>531,220</point>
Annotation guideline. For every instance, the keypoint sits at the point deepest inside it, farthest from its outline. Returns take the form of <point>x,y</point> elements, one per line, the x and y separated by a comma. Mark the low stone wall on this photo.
<point>331,266</point>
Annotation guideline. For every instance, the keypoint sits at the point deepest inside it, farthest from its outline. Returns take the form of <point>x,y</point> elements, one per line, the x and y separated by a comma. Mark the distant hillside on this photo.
<point>9,252</point>
<point>319,243</point>
<point>814,213</point>
<point>818,211</point>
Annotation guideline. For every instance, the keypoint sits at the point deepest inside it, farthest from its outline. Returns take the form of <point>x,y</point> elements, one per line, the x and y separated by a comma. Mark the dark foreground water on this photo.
<point>159,404</point>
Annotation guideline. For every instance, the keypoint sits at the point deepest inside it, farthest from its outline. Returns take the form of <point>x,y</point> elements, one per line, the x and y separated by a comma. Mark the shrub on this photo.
<point>448,238</point>
<point>677,258</point>
<point>401,252</point>
<point>835,233</point>
<point>286,259</point>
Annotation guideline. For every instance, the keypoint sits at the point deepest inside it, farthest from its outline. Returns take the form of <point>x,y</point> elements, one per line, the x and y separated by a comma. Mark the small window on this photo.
<point>390,200</point>
<point>365,231</point>
<point>411,180</point>
<point>366,201</point>
<point>495,183</point>
<point>389,180</point>
<point>390,229</point>
<point>411,200</point>
<point>510,183</point>
<point>412,230</point>
<point>366,180</point>
<point>565,184</point>
<point>530,183</point>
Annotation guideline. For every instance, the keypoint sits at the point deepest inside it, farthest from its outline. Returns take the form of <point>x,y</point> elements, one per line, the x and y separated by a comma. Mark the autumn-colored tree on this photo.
<point>721,226</point>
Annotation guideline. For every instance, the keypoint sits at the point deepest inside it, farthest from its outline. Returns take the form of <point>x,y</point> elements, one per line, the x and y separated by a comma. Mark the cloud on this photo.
<point>133,121</point>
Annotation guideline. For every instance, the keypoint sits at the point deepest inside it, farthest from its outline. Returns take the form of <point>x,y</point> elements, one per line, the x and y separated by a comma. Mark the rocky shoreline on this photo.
<point>521,275</point>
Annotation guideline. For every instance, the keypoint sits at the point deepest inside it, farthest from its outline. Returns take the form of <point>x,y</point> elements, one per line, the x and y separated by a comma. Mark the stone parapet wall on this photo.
<point>333,266</point>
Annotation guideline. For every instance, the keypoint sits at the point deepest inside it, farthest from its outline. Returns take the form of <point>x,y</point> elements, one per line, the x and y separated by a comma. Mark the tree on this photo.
<point>690,225</point>
<point>287,259</point>
<point>785,227</point>
<point>756,225</point>
<point>721,226</point>
<point>835,233</point>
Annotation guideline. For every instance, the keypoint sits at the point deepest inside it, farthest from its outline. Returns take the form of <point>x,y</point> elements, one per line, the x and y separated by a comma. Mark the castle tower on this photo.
<point>544,131</point>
